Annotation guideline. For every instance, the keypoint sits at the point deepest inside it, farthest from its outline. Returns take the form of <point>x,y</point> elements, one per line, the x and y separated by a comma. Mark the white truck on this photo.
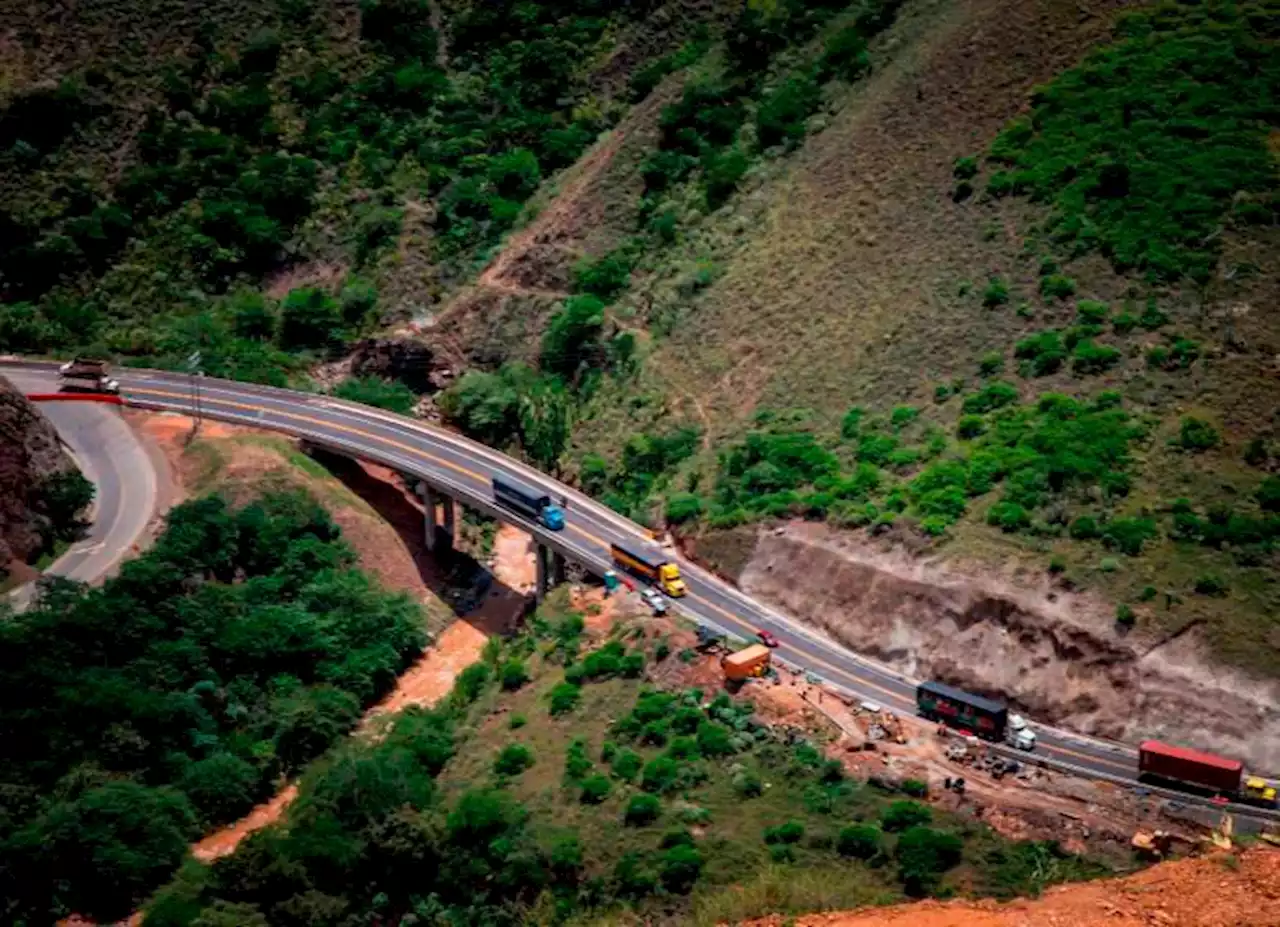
<point>1019,734</point>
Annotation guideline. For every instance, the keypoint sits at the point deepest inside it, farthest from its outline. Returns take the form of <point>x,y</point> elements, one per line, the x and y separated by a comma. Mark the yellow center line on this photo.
<point>482,478</point>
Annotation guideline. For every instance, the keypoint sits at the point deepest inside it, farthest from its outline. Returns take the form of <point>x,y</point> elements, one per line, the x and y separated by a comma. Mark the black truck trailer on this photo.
<point>985,717</point>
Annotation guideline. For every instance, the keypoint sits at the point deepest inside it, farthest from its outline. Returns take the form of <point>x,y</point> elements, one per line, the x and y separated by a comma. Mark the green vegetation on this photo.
<point>170,700</point>
<point>300,141</point>
<point>406,825</point>
<point>372,391</point>
<point>1147,146</point>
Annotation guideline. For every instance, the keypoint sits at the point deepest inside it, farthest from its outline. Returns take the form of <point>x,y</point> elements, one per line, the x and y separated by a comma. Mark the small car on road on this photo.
<point>766,638</point>
<point>653,598</point>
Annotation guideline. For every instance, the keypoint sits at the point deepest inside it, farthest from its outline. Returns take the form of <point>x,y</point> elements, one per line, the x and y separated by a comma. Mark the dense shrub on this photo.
<point>844,55</point>
<point>902,815</point>
<point>606,277</point>
<point>642,809</point>
<point>994,395</point>
<point>789,832</point>
<point>1057,286</point>
<point>375,391</point>
<point>923,855</point>
<point>513,674</point>
<point>512,760</point>
<point>1211,585</point>
<point>860,841</point>
<point>1129,535</point>
<point>781,115</point>
<point>1090,358</point>
<point>595,789</point>
<point>564,698</point>
<point>627,765</point>
<point>680,868</point>
<point>1043,353</point>
<point>997,291</point>
<point>1197,435</point>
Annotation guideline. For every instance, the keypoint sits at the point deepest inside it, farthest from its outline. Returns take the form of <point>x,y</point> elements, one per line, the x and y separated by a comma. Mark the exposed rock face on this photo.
<point>1054,659</point>
<point>408,360</point>
<point>30,452</point>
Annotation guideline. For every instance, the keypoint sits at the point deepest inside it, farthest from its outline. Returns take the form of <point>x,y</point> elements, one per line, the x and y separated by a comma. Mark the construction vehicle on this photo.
<point>533,504</point>
<point>955,707</point>
<point>1197,771</point>
<point>654,568</point>
<point>83,375</point>
<point>751,662</point>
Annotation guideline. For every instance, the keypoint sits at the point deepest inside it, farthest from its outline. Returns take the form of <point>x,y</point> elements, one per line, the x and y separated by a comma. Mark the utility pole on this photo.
<point>193,369</point>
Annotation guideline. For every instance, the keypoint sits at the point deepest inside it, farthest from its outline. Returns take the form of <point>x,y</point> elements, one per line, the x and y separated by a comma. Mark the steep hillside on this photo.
<point>987,278</point>
<point>575,774</point>
<point>1004,324</point>
<point>41,491</point>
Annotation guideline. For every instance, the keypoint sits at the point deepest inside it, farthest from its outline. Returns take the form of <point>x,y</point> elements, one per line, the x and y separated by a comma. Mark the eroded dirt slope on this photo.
<point>1219,891</point>
<point>1052,653</point>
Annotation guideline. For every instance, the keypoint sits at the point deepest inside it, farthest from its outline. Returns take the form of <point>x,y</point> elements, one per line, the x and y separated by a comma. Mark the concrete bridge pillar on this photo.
<point>438,526</point>
<point>552,569</point>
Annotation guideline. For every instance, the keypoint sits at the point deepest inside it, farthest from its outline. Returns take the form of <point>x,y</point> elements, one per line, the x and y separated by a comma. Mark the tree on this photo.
<point>311,720</point>
<point>902,815</point>
<point>513,760</point>
<point>375,391</point>
<point>681,866</point>
<point>513,674</point>
<point>545,421</point>
<point>714,740</point>
<point>113,843</point>
<point>642,809</point>
<point>923,855</point>
<point>595,789</point>
<point>860,841</point>
<point>310,318</point>
<point>220,787</point>
<point>572,342</point>
<point>484,405</point>
<point>251,316</point>
<point>62,497</point>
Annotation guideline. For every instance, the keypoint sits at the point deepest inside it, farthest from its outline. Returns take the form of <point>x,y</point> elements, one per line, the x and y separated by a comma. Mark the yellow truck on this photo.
<point>747,663</point>
<point>654,568</point>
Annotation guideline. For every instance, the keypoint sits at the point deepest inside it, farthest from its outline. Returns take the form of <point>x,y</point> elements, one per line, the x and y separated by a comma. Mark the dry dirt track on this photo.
<point>1216,891</point>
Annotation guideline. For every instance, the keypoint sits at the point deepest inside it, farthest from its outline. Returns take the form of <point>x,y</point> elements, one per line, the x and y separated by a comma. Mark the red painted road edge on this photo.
<point>76,397</point>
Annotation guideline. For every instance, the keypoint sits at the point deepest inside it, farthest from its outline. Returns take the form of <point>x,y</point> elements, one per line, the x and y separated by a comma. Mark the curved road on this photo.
<point>123,474</point>
<point>464,469</point>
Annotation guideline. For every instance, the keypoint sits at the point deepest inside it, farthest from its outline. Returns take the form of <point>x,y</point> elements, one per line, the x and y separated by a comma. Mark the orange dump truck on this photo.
<point>746,663</point>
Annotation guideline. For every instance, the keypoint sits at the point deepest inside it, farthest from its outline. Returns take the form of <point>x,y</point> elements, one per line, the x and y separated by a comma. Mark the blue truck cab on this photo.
<point>533,504</point>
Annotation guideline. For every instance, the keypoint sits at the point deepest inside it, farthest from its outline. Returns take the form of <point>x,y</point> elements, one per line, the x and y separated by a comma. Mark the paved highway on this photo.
<point>124,477</point>
<point>464,469</point>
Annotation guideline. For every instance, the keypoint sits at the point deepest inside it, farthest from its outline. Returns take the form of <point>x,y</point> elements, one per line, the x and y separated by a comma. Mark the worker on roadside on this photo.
<point>564,502</point>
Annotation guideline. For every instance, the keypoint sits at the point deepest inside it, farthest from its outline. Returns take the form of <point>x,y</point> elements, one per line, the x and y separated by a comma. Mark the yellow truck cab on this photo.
<point>670,581</point>
<point>1260,790</point>
<point>653,567</point>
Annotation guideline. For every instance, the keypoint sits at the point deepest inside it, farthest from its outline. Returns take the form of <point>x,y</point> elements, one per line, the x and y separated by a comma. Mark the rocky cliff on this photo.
<point>30,453</point>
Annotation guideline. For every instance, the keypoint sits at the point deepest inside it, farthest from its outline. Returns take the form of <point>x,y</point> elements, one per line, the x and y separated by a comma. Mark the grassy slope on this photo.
<point>853,277</point>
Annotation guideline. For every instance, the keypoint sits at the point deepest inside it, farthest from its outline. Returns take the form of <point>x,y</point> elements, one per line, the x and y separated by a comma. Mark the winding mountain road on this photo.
<point>124,477</point>
<point>464,469</point>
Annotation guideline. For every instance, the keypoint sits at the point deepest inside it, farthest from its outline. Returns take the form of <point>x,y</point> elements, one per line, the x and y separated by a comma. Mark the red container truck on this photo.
<point>1189,767</point>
